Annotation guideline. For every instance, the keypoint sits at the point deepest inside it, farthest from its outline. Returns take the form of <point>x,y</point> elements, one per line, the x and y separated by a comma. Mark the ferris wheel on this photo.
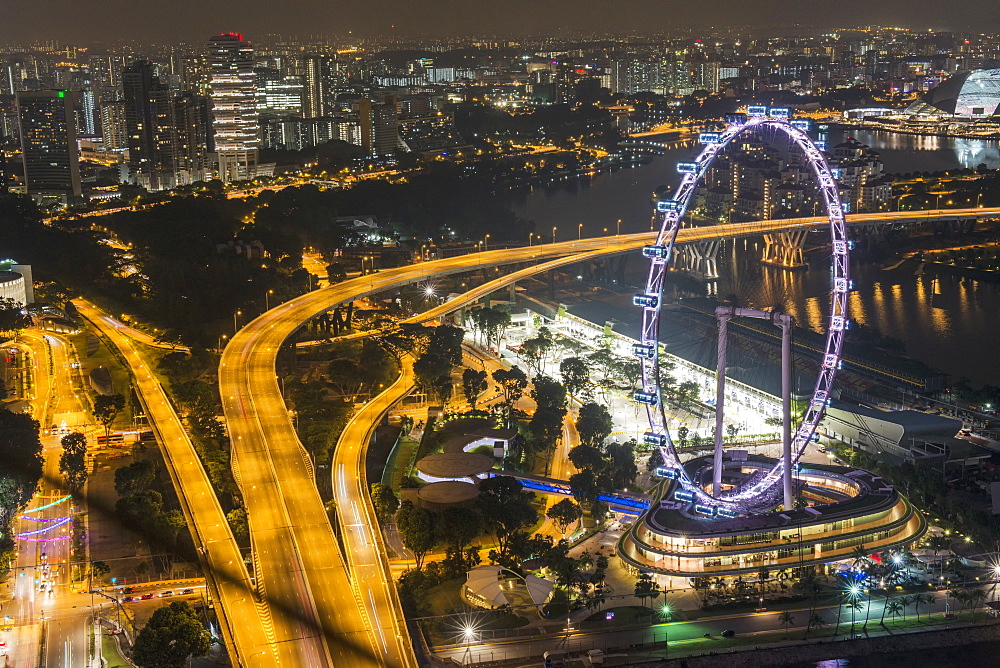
<point>713,498</point>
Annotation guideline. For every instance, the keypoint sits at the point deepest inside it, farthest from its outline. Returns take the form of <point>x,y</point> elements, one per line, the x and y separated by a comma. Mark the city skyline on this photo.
<point>403,333</point>
<point>188,20</point>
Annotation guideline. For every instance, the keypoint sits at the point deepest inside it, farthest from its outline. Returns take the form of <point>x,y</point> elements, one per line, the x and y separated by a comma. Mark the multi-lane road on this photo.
<point>287,519</point>
<point>316,607</point>
<point>244,621</point>
<point>47,627</point>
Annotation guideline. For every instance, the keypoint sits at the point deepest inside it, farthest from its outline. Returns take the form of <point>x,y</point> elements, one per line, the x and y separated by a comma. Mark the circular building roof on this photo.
<point>449,491</point>
<point>9,276</point>
<point>455,464</point>
<point>975,93</point>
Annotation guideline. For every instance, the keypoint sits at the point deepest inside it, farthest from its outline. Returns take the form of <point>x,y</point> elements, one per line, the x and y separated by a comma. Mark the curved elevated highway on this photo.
<point>335,609</point>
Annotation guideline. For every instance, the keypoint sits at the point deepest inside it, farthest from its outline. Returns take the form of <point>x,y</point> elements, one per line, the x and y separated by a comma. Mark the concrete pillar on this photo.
<point>787,324</point>
<point>785,249</point>
<point>723,314</point>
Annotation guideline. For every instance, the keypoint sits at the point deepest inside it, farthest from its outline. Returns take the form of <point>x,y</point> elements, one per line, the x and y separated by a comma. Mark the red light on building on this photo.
<point>237,35</point>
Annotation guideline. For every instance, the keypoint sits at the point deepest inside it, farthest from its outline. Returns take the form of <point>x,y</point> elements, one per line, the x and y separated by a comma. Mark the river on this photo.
<point>945,321</point>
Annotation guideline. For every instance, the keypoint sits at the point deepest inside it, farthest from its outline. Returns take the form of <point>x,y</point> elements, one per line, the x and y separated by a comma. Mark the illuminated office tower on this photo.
<point>234,108</point>
<point>49,146</point>
<point>114,129</point>
<point>314,99</point>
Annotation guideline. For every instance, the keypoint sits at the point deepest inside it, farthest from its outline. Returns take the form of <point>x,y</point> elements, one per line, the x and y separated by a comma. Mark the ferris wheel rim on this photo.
<point>652,300</point>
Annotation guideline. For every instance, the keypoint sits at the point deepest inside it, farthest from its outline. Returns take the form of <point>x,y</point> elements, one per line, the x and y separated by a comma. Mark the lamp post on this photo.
<point>665,612</point>
<point>618,230</point>
<point>224,337</point>
<point>469,634</point>
<point>579,232</point>
<point>554,234</point>
<point>267,300</point>
<point>236,326</point>
<point>486,242</point>
<point>530,235</point>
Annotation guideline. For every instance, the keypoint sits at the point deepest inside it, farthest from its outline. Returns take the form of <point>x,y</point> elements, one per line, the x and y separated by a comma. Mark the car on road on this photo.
<point>128,599</point>
<point>164,594</point>
<point>146,597</point>
<point>188,591</point>
<point>728,633</point>
<point>128,590</point>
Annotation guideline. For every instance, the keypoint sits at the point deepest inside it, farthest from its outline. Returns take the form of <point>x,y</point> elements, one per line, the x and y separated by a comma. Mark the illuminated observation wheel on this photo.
<point>757,487</point>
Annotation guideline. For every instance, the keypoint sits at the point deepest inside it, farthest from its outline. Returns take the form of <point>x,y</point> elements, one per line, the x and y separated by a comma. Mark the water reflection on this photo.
<point>906,153</point>
<point>944,321</point>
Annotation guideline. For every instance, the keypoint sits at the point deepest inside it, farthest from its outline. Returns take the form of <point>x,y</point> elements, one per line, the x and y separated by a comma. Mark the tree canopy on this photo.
<point>172,634</point>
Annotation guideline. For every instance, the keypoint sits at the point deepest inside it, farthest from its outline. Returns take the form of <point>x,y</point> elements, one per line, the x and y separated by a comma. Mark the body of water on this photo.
<point>947,322</point>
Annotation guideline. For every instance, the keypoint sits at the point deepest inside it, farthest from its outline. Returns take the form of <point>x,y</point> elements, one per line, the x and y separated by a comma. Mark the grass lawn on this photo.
<point>120,378</point>
<point>399,462</point>
<point>626,614</point>
<point>444,598</point>
<point>110,652</point>
<point>795,633</point>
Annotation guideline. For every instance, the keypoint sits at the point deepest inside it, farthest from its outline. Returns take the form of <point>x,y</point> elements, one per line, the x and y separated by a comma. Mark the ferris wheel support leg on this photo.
<point>786,322</point>
<point>723,313</point>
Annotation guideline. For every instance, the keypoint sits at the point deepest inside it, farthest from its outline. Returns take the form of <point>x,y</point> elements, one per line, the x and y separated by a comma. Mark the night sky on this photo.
<point>86,21</point>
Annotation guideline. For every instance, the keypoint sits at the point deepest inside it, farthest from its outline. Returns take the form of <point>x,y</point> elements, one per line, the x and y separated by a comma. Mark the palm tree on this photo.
<point>962,597</point>
<point>815,621</point>
<point>861,560</point>
<point>786,619</point>
<point>855,605</point>
<point>926,599</point>
<point>763,575</point>
<point>895,608</point>
<point>976,597</point>
<point>881,622</point>
<point>906,601</point>
<point>868,607</point>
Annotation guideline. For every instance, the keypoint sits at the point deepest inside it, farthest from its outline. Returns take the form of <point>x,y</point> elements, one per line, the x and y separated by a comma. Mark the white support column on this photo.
<point>787,324</point>
<point>723,314</point>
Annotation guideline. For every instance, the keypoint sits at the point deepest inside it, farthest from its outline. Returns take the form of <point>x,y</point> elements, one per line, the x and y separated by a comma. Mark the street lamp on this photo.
<point>854,591</point>
<point>618,230</point>
<point>665,612</point>
<point>224,337</point>
<point>468,634</point>
<point>530,235</point>
<point>579,232</point>
<point>267,300</point>
<point>554,234</point>
<point>236,327</point>
<point>486,242</point>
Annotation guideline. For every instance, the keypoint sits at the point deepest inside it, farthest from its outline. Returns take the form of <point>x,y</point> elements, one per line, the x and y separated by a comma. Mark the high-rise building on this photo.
<point>277,92</point>
<point>48,145</point>
<point>190,139</point>
<point>379,131</point>
<point>315,75</point>
<point>234,108</point>
<point>147,122</point>
<point>114,129</point>
<point>167,135</point>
